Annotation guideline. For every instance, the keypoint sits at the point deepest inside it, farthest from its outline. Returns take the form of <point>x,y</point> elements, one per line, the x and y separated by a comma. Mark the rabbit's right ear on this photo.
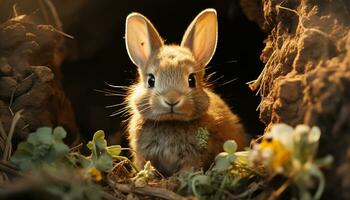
<point>201,36</point>
<point>141,39</point>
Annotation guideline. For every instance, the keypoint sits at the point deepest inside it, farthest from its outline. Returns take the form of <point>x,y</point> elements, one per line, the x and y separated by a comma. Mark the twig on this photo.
<point>11,100</point>
<point>248,192</point>
<point>2,130</point>
<point>8,146</point>
<point>14,9</point>
<point>44,11</point>
<point>55,17</point>
<point>108,196</point>
<point>148,191</point>
<point>9,169</point>
<point>280,190</point>
<point>58,24</point>
<point>75,148</point>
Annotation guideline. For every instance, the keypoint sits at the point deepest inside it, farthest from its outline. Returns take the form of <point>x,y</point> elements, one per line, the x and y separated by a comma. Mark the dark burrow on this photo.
<point>98,54</point>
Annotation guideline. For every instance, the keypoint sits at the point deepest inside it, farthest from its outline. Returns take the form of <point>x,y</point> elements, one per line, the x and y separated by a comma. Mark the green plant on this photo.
<point>43,146</point>
<point>229,177</point>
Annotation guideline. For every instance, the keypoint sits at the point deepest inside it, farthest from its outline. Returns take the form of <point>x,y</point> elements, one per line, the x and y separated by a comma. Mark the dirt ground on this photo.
<point>306,78</point>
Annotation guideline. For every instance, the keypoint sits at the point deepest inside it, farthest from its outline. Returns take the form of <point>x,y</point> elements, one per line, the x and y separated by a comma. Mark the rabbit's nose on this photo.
<point>171,98</point>
<point>172,104</point>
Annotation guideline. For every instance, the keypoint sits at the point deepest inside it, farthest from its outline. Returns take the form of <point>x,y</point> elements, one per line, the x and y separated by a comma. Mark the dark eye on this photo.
<point>151,80</point>
<point>192,80</point>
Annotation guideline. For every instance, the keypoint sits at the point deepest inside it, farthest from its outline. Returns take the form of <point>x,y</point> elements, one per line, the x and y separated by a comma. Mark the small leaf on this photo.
<point>59,133</point>
<point>90,145</point>
<point>99,140</point>
<point>98,134</point>
<point>22,156</point>
<point>327,160</point>
<point>114,150</point>
<point>42,135</point>
<point>60,148</point>
<point>202,180</point>
<point>230,146</point>
<point>223,161</point>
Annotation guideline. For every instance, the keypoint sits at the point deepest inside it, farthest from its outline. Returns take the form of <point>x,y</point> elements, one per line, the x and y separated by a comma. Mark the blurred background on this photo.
<point>97,53</point>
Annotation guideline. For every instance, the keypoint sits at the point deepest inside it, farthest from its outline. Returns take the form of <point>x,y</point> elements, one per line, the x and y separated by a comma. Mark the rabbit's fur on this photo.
<point>167,107</point>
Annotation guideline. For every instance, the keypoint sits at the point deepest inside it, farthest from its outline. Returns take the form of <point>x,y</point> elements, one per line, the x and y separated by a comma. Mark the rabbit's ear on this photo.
<point>201,36</point>
<point>141,39</point>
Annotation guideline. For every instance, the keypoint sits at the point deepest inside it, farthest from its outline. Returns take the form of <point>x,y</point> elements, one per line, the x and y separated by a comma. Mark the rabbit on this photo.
<point>171,100</point>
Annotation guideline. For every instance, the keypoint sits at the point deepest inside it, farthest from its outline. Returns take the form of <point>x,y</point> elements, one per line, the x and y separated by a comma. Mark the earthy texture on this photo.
<point>30,58</point>
<point>306,78</point>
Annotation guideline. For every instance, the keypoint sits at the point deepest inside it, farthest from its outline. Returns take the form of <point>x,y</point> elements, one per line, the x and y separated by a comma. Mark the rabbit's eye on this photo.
<point>192,80</point>
<point>151,80</point>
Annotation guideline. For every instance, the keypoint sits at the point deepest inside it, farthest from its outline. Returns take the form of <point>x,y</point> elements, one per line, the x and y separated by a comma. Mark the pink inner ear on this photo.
<point>138,42</point>
<point>201,36</point>
<point>142,39</point>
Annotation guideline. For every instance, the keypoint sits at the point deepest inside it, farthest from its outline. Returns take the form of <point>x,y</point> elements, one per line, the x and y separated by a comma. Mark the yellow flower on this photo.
<point>280,154</point>
<point>96,174</point>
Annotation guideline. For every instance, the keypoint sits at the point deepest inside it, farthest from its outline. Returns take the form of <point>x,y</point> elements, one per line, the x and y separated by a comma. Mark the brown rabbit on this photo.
<point>171,101</point>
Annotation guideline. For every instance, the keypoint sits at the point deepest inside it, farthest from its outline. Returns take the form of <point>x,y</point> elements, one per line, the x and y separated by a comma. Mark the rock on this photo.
<point>5,68</point>
<point>43,73</point>
<point>11,35</point>
<point>29,79</point>
<point>7,87</point>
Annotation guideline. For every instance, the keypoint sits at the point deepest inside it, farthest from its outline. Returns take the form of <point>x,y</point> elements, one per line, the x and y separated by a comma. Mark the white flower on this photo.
<point>314,135</point>
<point>283,133</point>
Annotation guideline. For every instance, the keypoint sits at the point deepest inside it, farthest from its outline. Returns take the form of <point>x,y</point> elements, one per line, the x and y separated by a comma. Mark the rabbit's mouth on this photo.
<point>173,115</point>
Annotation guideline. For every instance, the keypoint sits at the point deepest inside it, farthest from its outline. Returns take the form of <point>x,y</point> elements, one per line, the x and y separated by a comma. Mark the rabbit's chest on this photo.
<point>169,149</point>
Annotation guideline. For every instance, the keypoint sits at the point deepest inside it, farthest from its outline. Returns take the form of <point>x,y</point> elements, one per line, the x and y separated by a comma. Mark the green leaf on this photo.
<point>78,160</point>
<point>202,179</point>
<point>60,148</point>
<point>223,161</point>
<point>42,147</point>
<point>114,150</point>
<point>327,160</point>
<point>98,135</point>
<point>104,162</point>
<point>84,162</point>
<point>59,133</point>
<point>99,140</point>
<point>90,145</point>
<point>230,146</point>
<point>22,156</point>
<point>41,136</point>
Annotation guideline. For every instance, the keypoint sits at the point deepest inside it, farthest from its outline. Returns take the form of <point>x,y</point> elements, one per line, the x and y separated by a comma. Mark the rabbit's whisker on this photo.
<point>115,105</point>
<point>123,112</point>
<point>228,82</point>
<point>113,91</point>
<point>144,109</point>
<point>116,86</point>
<point>217,79</point>
<point>109,93</point>
<point>114,94</point>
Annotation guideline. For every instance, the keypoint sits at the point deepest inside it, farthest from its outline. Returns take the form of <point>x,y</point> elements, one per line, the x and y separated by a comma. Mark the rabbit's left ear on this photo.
<point>201,36</point>
<point>141,39</point>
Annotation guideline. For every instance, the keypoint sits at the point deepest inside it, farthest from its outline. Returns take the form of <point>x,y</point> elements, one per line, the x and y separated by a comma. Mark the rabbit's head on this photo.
<point>171,77</point>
